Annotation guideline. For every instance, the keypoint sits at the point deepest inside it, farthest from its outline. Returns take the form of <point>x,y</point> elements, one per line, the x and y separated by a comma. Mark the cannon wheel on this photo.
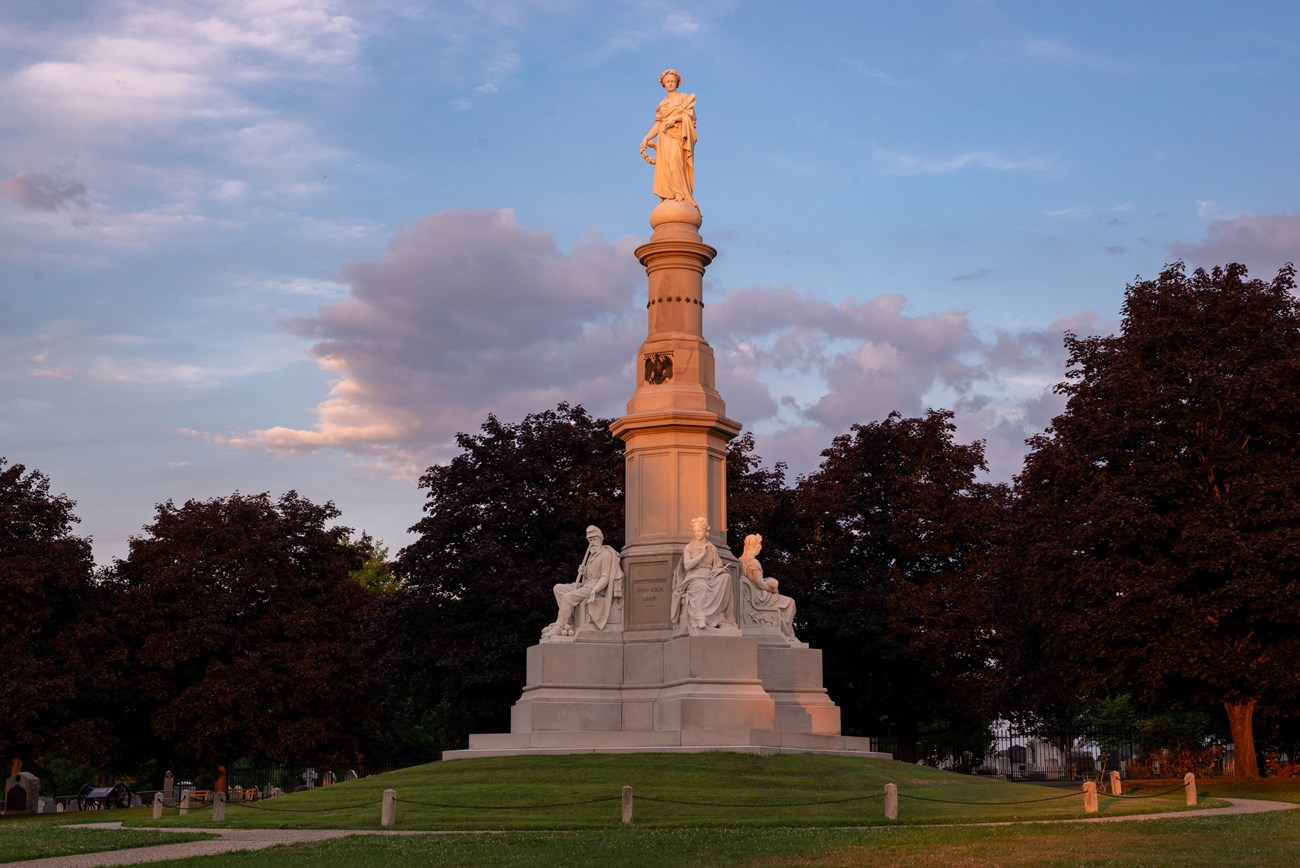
<point>81,796</point>
<point>120,797</point>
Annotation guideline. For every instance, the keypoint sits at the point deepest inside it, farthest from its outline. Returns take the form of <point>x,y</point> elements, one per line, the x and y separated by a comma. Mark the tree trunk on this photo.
<point>1241,716</point>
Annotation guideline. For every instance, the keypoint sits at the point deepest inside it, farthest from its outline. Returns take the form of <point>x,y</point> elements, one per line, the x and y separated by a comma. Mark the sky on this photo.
<point>262,245</point>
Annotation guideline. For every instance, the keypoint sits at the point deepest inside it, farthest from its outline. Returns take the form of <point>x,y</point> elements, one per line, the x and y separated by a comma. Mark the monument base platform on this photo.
<point>672,693</point>
<point>752,741</point>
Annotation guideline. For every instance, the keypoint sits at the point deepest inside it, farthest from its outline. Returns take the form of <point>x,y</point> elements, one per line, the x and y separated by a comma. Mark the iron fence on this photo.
<point>1043,753</point>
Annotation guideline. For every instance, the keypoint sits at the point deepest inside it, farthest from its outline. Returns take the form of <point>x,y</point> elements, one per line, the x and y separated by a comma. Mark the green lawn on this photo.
<point>45,835</point>
<point>731,791</point>
<point>753,817</point>
<point>1264,840</point>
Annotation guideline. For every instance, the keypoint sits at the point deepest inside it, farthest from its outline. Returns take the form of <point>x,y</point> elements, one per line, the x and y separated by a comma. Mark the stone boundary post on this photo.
<point>388,814</point>
<point>627,806</point>
<point>218,807</point>
<point>891,801</point>
<point>1116,788</point>
<point>1090,797</point>
<point>185,803</point>
<point>157,806</point>
<point>1189,782</point>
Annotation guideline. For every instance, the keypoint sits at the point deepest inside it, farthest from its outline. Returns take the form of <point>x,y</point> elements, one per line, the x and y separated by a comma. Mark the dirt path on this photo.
<point>230,840</point>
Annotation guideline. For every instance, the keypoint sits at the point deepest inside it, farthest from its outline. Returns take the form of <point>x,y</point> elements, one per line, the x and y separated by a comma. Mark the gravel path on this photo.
<point>230,840</point>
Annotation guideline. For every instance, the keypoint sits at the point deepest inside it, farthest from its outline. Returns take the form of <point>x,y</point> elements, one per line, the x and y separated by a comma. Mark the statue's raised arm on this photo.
<point>673,140</point>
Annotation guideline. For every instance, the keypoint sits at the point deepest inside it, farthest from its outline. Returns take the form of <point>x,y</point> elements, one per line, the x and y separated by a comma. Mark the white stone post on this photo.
<point>1090,797</point>
<point>388,815</point>
<point>1189,783</point>
<point>185,803</point>
<point>627,806</point>
<point>1116,788</point>
<point>891,801</point>
<point>157,806</point>
<point>218,807</point>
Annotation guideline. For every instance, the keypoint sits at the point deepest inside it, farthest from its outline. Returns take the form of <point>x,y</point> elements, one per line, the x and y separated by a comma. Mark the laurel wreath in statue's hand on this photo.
<point>645,156</point>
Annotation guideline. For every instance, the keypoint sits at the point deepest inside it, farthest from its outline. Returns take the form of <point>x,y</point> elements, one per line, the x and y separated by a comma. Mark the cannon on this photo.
<point>93,798</point>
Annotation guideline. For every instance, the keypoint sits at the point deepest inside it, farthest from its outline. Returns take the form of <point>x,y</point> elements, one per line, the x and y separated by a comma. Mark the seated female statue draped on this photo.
<point>673,140</point>
<point>763,596</point>
<point>701,584</point>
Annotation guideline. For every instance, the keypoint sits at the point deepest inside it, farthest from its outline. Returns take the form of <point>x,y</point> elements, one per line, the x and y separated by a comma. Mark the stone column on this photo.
<point>676,427</point>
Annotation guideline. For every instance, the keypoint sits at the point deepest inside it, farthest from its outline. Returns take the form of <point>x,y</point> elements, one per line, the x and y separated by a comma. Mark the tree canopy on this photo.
<point>240,618</point>
<point>890,575</point>
<point>1156,519</point>
<point>50,632</point>
<point>503,522</point>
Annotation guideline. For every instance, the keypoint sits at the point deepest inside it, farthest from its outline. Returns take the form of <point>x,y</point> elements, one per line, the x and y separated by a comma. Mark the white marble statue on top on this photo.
<point>768,606</point>
<point>702,586</point>
<point>598,582</point>
<point>673,139</point>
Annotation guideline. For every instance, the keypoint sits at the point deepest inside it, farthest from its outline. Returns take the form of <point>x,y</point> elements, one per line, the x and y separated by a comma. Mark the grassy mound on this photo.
<point>671,791</point>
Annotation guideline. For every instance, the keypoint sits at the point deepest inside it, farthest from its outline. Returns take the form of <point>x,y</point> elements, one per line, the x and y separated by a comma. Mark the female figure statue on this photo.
<point>765,597</point>
<point>674,147</point>
<point>701,584</point>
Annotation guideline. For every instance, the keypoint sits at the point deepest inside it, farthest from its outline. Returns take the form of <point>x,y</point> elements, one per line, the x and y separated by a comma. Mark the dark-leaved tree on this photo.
<point>503,522</point>
<point>1156,546</point>
<point>240,619</point>
<point>50,632</point>
<point>892,580</point>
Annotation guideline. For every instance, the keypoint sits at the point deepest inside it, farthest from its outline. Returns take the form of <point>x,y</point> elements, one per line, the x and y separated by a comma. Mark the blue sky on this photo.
<point>273,244</point>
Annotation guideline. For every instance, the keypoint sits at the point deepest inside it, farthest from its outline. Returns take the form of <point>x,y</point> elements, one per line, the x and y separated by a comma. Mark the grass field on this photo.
<point>769,827</point>
<point>696,790</point>
<point>46,835</point>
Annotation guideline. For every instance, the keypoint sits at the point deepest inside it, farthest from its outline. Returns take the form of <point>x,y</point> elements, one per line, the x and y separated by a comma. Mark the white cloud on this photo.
<point>193,76</point>
<point>897,163</point>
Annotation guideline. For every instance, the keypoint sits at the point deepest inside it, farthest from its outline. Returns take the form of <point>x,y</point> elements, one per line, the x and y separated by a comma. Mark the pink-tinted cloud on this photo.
<point>469,314</point>
<point>44,192</point>
<point>1262,243</point>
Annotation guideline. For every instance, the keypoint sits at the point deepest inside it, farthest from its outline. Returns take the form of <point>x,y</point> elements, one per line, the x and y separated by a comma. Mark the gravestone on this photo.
<point>169,790</point>
<point>351,775</point>
<point>22,793</point>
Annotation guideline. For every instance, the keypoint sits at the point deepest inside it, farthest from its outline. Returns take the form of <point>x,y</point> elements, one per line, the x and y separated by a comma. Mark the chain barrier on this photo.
<point>253,807</point>
<point>402,801</point>
<point>1148,796</point>
<point>644,798</point>
<point>903,795</point>
<point>641,798</point>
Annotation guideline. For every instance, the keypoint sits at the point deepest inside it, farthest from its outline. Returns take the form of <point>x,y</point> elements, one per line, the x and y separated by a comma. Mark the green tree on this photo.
<point>51,633</point>
<point>892,578</point>
<point>504,521</point>
<point>1155,544</point>
<point>240,618</point>
<point>376,572</point>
